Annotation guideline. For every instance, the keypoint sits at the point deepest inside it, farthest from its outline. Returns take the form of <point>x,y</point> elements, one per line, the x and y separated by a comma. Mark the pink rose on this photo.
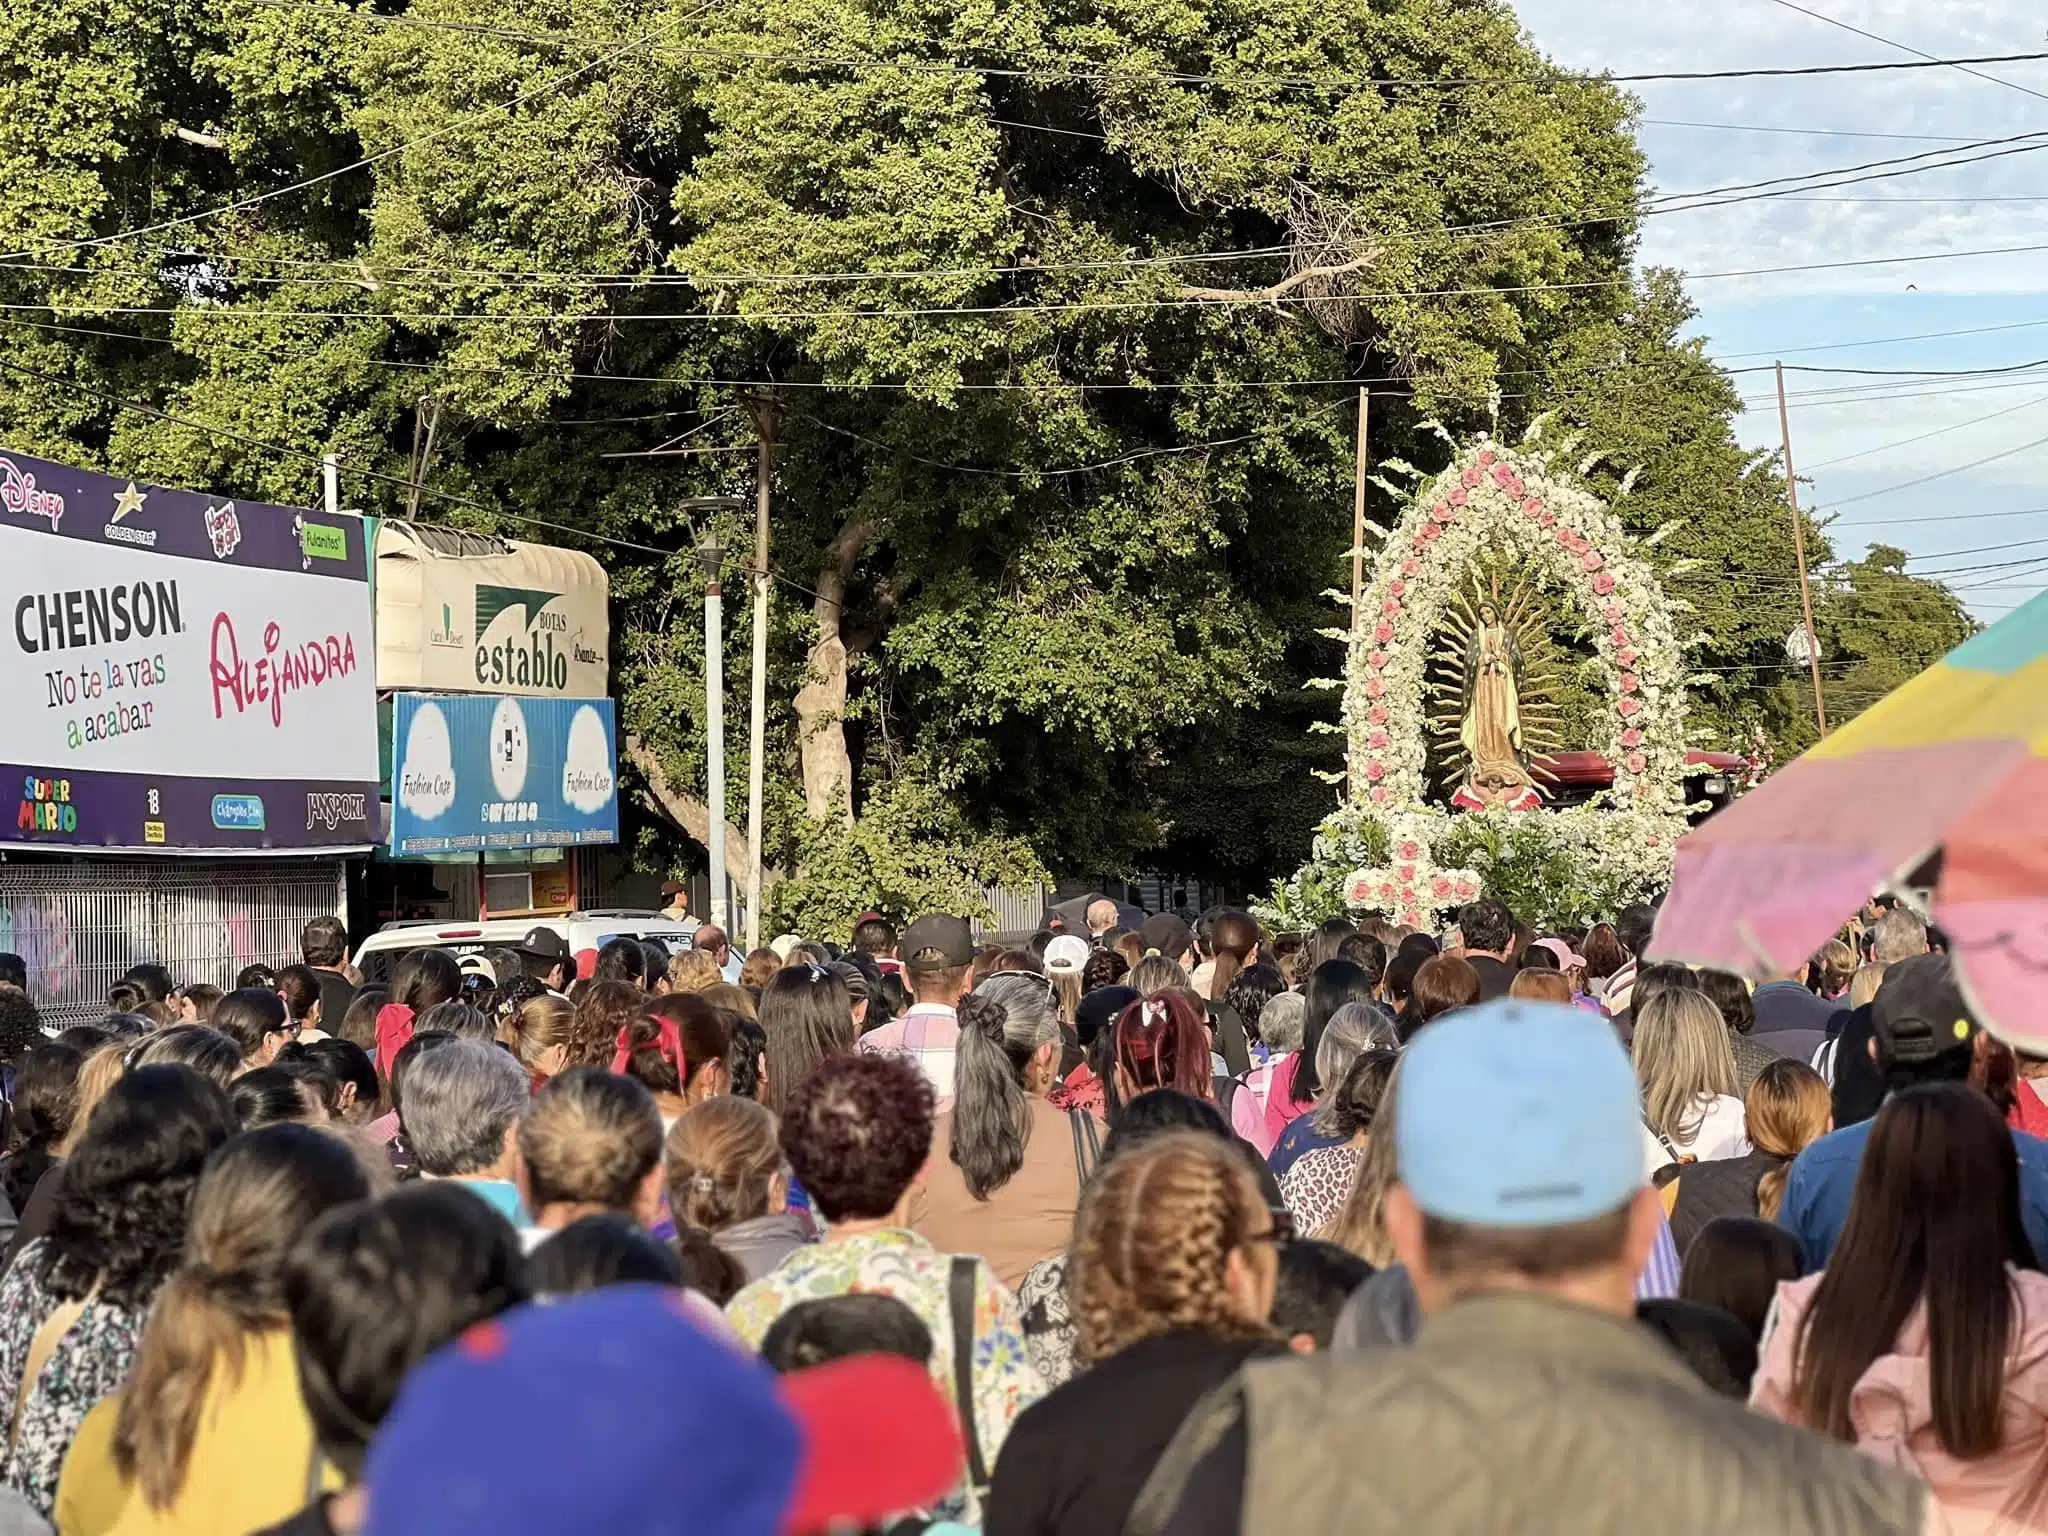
<point>1591,560</point>
<point>1619,635</point>
<point>1380,796</point>
<point>1440,887</point>
<point>1631,706</point>
<point>1398,587</point>
<point>1429,532</point>
<point>1603,583</point>
<point>1469,479</point>
<point>1611,612</point>
<point>1410,850</point>
<point>1383,632</point>
<point>1374,688</point>
<point>1391,607</point>
<point>1407,873</point>
<point>1630,683</point>
<point>1632,737</point>
<point>1377,715</point>
<point>1635,762</point>
<point>1375,770</point>
<point>1486,458</point>
<point>1411,567</point>
<point>1563,537</point>
<point>1418,540</point>
<point>1377,740</point>
<point>1376,660</point>
<point>1457,498</point>
<point>1626,656</point>
<point>1503,476</point>
<point>1547,519</point>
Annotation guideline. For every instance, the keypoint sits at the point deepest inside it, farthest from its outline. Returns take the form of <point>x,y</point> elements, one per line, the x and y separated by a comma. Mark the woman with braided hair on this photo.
<point>1013,1162</point>
<point>1171,1278</point>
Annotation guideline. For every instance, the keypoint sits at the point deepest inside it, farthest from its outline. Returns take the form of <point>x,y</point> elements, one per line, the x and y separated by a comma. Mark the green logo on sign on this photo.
<point>526,657</point>
<point>323,541</point>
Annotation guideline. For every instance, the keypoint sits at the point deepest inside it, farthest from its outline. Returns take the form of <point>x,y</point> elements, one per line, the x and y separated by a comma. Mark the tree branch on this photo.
<point>1284,287</point>
<point>194,136</point>
<point>692,817</point>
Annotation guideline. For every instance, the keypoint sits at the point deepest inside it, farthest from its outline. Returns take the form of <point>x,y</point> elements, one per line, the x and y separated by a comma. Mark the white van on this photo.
<point>586,933</point>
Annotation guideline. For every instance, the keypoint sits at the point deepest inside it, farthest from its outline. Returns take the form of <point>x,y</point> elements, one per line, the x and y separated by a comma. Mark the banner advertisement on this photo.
<point>188,672</point>
<point>460,613</point>
<point>475,772</point>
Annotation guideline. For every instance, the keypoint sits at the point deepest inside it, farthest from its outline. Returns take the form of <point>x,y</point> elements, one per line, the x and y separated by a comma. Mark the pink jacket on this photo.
<point>1263,1110</point>
<point>1893,1414</point>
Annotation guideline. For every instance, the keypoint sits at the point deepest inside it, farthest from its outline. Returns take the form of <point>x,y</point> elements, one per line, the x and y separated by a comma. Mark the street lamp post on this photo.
<point>711,556</point>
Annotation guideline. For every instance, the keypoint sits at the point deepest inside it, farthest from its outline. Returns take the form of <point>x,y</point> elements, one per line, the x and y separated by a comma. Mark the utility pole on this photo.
<point>757,723</point>
<point>1357,569</point>
<point>711,556</point>
<point>330,482</point>
<point>1820,708</point>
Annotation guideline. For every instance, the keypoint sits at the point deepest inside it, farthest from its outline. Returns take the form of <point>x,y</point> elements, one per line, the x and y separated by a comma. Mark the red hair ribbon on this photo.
<point>668,1041</point>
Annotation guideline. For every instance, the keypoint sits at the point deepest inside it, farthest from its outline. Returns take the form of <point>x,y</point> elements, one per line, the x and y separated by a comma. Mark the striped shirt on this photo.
<point>927,1033</point>
<point>1660,1276</point>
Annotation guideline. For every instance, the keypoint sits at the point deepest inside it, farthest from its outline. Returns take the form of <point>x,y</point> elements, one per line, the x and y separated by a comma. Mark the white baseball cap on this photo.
<point>1065,955</point>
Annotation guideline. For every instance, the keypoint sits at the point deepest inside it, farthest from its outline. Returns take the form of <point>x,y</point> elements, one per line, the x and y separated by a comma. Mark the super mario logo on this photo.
<point>46,806</point>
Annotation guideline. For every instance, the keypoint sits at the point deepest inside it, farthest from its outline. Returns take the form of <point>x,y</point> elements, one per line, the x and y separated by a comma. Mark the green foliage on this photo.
<point>911,853</point>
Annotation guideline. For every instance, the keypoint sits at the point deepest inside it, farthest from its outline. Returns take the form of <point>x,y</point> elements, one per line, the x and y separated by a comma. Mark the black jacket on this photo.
<point>1719,1187</point>
<point>1075,1460</point>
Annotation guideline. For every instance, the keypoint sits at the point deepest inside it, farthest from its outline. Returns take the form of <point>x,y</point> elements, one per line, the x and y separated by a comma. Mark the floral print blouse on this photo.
<point>90,1362</point>
<point>902,1264</point>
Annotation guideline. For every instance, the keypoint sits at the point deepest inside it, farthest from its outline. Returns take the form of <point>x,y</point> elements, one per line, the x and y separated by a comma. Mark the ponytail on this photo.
<point>1233,940</point>
<point>989,1106</point>
<point>197,1325</point>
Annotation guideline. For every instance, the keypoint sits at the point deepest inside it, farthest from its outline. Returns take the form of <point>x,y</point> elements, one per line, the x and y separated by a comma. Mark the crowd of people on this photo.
<point>1186,1228</point>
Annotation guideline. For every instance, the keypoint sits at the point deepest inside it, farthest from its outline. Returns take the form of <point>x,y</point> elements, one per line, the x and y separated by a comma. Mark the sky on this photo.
<point>1976,446</point>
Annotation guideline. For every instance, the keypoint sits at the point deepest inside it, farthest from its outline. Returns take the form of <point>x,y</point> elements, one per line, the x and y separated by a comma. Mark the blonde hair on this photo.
<point>1682,1059</point>
<point>1152,1241</point>
<point>733,999</point>
<point>100,1071</point>
<point>692,970</point>
<point>722,1158</point>
<point>589,1137</point>
<point>1541,986</point>
<point>1786,1109</point>
<point>1836,963</point>
<point>1155,974</point>
<point>1360,1223</point>
<point>1864,984</point>
<point>258,1195</point>
<point>539,1025</point>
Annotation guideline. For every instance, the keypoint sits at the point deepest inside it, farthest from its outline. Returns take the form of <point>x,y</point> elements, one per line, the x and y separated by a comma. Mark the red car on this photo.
<point>1577,776</point>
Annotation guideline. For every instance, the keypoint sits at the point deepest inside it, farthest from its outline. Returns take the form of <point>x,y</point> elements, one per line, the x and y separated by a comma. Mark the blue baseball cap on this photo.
<point>1518,1114</point>
<point>615,1411</point>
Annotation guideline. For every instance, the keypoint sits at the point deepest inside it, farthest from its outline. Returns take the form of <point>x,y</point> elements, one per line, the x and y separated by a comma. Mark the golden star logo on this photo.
<point>128,501</point>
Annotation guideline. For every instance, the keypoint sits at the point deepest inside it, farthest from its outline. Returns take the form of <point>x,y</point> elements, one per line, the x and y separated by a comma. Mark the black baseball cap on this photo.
<point>937,943</point>
<point>1919,1012</point>
<point>545,944</point>
<point>1165,935</point>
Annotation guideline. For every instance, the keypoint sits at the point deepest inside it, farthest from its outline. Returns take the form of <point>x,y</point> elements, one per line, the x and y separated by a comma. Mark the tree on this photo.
<point>1031,289</point>
<point>1879,628</point>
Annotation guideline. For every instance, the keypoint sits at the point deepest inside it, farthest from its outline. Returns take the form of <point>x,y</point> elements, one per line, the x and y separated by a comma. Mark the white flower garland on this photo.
<point>1521,504</point>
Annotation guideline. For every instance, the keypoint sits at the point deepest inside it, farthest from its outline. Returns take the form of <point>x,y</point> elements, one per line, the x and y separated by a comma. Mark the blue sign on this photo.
<point>472,772</point>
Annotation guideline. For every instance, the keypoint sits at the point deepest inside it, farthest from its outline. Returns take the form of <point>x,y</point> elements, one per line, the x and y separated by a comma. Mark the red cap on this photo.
<point>878,1439</point>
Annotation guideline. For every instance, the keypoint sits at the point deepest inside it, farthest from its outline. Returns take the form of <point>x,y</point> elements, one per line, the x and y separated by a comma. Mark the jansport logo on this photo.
<point>19,494</point>
<point>527,650</point>
<point>332,812</point>
<point>126,504</point>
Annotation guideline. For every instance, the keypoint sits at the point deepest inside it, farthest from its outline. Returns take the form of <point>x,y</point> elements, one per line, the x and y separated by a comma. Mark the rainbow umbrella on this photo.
<point>1946,779</point>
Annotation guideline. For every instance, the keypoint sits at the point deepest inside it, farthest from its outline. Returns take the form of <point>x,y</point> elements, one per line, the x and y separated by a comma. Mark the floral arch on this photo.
<point>1401,854</point>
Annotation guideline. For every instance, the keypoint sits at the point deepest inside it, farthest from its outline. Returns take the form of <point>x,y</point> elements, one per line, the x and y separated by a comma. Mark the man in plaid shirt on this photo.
<point>938,966</point>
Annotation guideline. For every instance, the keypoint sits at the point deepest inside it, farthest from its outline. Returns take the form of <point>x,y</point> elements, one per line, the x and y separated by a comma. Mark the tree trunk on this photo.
<point>692,816</point>
<point>821,702</point>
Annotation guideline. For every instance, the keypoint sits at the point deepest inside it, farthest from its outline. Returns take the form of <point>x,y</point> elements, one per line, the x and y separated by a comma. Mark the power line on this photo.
<point>1827,133</point>
<point>1940,474</point>
<point>1975,421</point>
<point>1961,64</point>
<point>243,204</point>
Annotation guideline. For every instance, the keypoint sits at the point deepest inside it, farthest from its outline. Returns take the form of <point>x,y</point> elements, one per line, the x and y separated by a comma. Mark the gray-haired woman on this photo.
<point>1007,1164</point>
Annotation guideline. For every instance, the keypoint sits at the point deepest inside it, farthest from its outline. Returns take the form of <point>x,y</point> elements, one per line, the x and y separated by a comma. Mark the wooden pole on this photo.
<point>1357,565</point>
<point>1820,708</point>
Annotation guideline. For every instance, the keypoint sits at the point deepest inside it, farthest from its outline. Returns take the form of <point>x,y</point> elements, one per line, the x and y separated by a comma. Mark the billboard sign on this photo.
<point>188,672</point>
<point>479,772</point>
